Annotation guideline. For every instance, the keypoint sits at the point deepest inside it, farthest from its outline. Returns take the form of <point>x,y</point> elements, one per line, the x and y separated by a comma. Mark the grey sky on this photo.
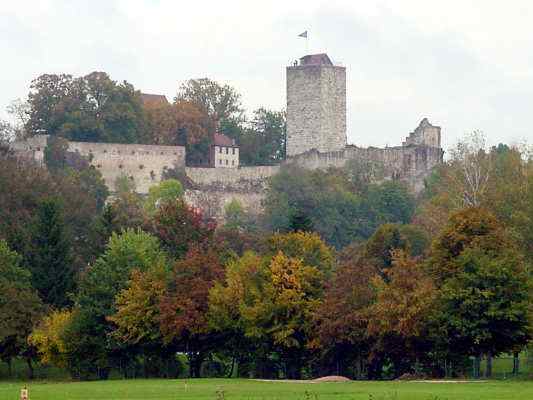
<point>463,64</point>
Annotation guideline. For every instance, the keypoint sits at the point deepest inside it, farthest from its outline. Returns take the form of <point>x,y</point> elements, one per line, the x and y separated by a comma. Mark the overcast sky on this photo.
<point>463,64</point>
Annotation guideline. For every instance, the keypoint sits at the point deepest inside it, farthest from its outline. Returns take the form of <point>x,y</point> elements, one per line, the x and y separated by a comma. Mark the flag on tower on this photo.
<point>303,34</point>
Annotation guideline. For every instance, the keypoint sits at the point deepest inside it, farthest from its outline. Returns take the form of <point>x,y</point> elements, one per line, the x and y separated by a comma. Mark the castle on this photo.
<point>316,139</point>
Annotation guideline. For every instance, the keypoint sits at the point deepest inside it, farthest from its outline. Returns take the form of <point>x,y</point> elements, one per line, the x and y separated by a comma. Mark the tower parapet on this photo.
<point>316,105</point>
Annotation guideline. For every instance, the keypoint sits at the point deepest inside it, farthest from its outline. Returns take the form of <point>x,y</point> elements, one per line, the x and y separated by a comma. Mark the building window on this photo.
<point>220,149</point>
<point>220,161</point>
<point>233,150</point>
<point>232,162</point>
<point>227,150</point>
<point>226,162</point>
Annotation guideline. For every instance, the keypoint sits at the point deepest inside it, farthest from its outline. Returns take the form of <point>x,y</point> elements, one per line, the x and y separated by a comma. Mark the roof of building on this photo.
<point>316,59</point>
<point>153,98</point>
<point>222,140</point>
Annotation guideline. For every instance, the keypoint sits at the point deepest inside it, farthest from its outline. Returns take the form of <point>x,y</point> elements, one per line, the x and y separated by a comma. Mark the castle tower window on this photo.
<point>227,150</point>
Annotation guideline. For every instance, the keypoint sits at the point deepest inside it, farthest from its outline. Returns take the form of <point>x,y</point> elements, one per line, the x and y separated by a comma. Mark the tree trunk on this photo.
<point>488,369</point>
<point>9,367</point>
<point>516,363</point>
<point>477,367</point>
<point>230,374</point>
<point>30,368</point>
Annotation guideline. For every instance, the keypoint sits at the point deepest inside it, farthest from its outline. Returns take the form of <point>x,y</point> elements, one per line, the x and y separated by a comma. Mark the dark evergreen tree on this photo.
<point>50,258</point>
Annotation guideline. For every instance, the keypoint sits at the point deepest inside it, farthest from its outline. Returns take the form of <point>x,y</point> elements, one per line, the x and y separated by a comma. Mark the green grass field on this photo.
<point>230,389</point>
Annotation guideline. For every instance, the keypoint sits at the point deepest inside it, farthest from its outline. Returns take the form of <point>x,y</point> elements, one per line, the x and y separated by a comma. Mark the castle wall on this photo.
<point>215,187</point>
<point>316,108</point>
<point>144,164</point>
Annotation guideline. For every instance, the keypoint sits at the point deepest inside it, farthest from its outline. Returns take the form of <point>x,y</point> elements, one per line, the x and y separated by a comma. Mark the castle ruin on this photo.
<point>316,139</point>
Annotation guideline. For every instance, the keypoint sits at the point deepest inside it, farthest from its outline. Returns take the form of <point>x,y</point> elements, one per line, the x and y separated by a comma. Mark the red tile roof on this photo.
<point>316,59</point>
<point>222,140</point>
<point>153,98</point>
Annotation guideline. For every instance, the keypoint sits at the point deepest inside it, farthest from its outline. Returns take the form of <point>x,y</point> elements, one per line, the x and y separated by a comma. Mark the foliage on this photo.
<point>184,306</point>
<point>20,307</point>
<point>137,315</point>
<point>92,108</point>
<point>326,202</point>
<point>167,191</point>
<point>305,246</point>
<point>484,289</point>
<point>48,338</point>
<point>180,227</point>
<point>220,102</point>
<point>50,258</point>
<point>263,143</point>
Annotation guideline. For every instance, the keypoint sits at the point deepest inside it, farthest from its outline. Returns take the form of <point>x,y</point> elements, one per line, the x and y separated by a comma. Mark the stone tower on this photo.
<point>316,105</point>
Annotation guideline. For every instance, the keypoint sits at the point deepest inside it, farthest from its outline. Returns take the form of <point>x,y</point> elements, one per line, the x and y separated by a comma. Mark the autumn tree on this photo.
<point>48,338</point>
<point>184,306</point>
<point>180,227</point>
<point>341,320</point>
<point>399,319</point>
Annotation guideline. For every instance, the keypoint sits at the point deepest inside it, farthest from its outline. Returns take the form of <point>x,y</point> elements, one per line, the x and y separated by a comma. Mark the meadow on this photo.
<point>242,389</point>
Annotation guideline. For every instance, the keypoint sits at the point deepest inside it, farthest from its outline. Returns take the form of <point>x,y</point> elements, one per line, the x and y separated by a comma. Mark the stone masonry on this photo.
<point>316,106</point>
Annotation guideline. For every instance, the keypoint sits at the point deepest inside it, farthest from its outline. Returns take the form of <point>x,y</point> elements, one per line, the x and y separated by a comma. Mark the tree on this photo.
<point>306,246</point>
<point>167,191</point>
<point>340,322</point>
<point>90,108</point>
<point>87,337</point>
<point>220,102</point>
<point>184,306</point>
<point>50,259</point>
<point>180,227</point>
<point>263,143</point>
<point>484,289</point>
<point>270,302</point>
<point>400,317</point>
<point>48,338</point>
<point>20,308</point>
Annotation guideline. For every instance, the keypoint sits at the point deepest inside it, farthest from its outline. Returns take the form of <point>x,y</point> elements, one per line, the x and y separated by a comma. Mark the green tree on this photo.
<point>50,259</point>
<point>20,308</point>
<point>167,191</point>
<point>263,143</point>
<point>92,108</point>
<point>88,346</point>
<point>484,287</point>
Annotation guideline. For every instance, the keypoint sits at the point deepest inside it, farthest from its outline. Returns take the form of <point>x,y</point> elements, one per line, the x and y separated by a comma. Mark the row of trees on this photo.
<point>340,275</point>
<point>94,108</point>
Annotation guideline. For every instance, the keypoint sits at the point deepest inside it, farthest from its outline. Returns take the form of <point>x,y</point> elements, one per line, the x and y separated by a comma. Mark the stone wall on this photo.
<point>144,164</point>
<point>214,188</point>
<point>316,108</point>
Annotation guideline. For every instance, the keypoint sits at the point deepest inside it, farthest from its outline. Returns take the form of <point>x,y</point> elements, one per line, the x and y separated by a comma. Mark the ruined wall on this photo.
<point>316,108</point>
<point>214,188</point>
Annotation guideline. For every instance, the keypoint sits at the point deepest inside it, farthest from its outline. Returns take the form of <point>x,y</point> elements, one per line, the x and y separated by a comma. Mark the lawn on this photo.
<point>229,389</point>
